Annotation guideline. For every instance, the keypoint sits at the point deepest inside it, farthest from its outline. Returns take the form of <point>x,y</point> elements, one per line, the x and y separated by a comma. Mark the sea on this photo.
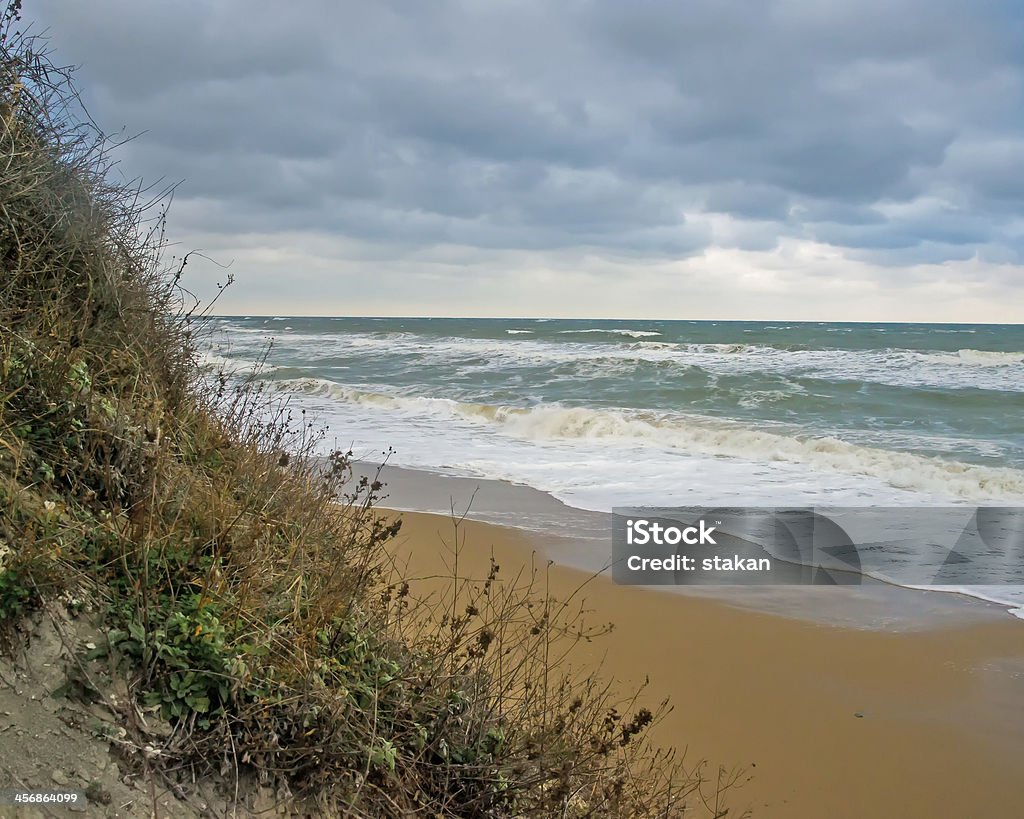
<point>609,413</point>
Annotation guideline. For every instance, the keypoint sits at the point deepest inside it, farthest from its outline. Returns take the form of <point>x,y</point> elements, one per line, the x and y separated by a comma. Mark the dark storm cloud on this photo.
<point>607,125</point>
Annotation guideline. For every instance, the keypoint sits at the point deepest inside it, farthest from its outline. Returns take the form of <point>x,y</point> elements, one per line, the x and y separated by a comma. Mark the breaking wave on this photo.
<point>613,332</point>
<point>975,358</point>
<point>698,436</point>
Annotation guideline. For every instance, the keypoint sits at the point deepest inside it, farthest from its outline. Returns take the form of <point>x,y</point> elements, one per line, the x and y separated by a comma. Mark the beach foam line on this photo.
<point>1012,597</point>
<point>976,358</point>
<point>700,436</point>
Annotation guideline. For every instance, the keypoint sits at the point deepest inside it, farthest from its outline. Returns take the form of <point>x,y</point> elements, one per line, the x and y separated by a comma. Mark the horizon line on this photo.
<point>609,318</point>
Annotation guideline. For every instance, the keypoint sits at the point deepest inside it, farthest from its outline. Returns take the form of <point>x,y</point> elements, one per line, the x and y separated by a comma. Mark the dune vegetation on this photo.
<point>253,624</point>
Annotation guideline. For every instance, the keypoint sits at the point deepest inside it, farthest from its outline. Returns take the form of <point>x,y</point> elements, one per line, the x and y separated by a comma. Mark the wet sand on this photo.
<point>580,539</point>
<point>825,720</point>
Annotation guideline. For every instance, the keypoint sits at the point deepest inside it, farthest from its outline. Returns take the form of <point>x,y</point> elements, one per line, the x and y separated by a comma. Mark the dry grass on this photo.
<point>250,611</point>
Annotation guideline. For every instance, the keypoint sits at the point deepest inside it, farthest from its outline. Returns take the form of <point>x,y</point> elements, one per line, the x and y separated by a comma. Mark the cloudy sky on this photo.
<point>798,159</point>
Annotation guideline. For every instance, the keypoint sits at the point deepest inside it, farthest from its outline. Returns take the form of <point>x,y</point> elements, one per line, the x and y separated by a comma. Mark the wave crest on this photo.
<point>613,332</point>
<point>975,358</point>
<point>903,470</point>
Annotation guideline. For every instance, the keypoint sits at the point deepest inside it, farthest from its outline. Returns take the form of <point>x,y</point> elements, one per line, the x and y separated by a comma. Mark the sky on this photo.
<point>770,159</point>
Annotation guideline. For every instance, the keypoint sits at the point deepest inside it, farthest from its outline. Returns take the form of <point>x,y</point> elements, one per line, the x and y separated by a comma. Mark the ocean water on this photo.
<point>602,413</point>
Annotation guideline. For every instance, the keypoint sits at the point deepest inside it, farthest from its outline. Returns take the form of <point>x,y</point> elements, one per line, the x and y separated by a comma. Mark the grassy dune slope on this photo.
<point>247,614</point>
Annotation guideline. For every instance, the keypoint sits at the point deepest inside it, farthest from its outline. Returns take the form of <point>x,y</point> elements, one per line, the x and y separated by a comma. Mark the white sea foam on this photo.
<point>976,369</point>
<point>893,367</point>
<point>249,331</point>
<point>210,361</point>
<point>613,332</point>
<point>728,349</point>
<point>702,436</point>
<point>976,358</point>
<point>1011,596</point>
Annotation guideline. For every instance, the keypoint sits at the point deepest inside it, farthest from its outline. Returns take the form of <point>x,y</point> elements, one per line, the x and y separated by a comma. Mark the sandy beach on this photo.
<point>824,721</point>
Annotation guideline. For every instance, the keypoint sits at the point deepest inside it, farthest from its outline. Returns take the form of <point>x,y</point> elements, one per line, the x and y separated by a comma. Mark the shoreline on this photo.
<point>824,720</point>
<point>579,539</point>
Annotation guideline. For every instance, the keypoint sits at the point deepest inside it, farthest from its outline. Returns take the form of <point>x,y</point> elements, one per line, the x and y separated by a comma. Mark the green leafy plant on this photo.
<point>15,594</point>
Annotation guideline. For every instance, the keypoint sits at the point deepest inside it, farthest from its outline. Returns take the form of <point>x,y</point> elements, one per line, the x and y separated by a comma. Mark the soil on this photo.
<point>54,741</point>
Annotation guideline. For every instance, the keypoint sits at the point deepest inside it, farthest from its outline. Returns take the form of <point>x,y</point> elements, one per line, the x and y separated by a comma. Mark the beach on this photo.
<point>817,719</point>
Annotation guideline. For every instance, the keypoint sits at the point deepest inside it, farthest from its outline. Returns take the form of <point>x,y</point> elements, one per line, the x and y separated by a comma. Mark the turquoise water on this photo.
<point>951,391</point>
<point>617,413</point>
